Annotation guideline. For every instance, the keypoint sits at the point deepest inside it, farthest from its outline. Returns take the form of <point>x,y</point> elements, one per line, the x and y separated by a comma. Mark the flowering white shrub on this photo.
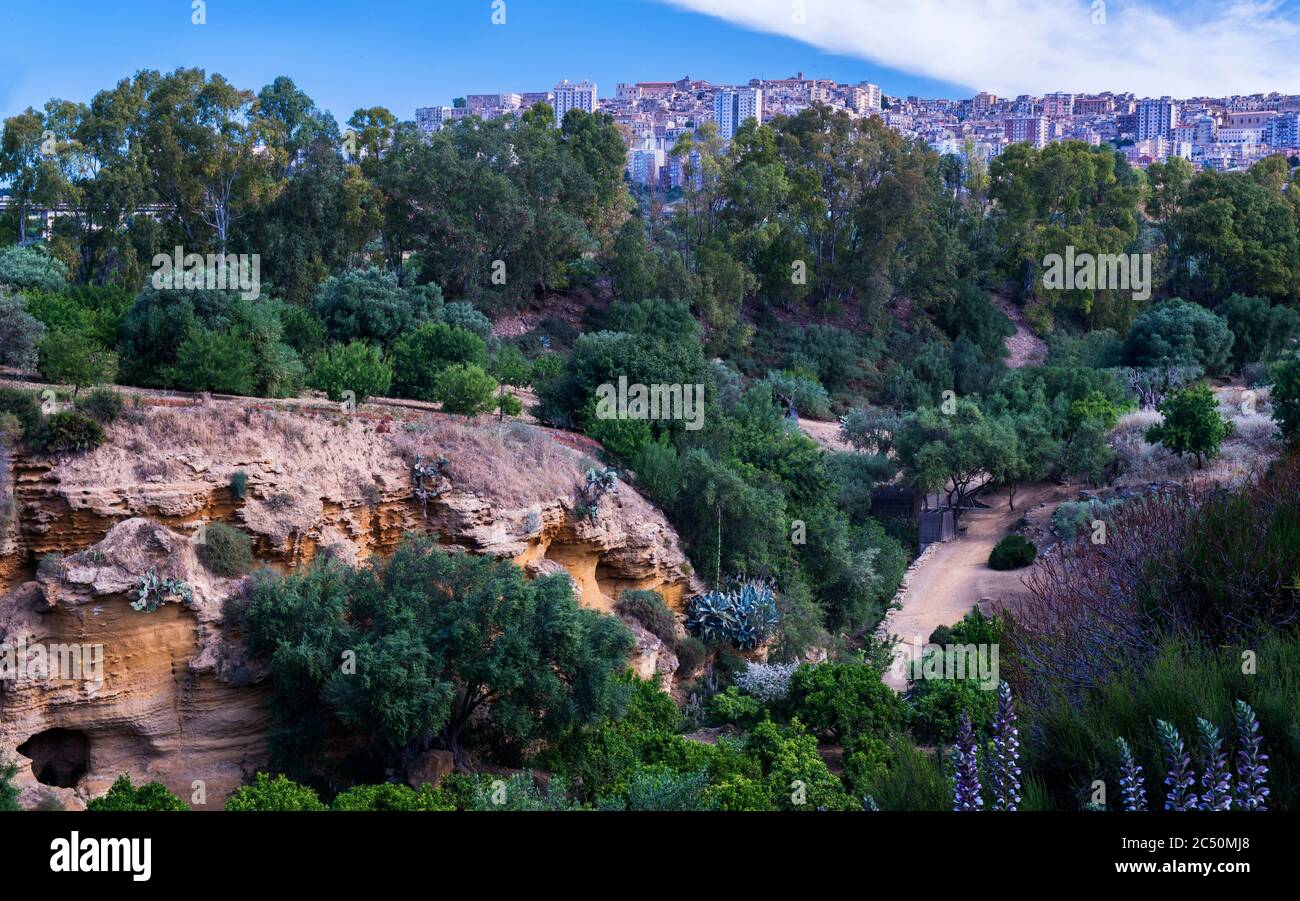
<point>766,681</point>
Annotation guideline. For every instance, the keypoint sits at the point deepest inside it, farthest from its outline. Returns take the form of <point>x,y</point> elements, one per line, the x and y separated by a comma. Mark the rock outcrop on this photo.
<point>176,702</point>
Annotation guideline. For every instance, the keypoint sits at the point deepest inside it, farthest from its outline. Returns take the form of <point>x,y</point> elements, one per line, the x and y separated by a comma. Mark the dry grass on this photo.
<point>517,464</point>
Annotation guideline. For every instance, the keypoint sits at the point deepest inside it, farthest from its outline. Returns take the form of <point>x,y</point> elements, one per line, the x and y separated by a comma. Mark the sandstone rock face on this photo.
<point>177,703</point>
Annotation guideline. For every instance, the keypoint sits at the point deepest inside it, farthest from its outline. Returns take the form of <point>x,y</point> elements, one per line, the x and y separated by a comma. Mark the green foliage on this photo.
<point>226,551</point>
<point>464,389</point>
<point>436,637</point>
<point>844,699</point>
<point>1178,333</point>
<point>238,484</point>
<point>1013,552</point>
<point>1286,399</point>
<point>213,361</point>
<point>31,267</point>
<point>420,356</point>
<point>793,773</point>
<point>648,608</point>
<point>67,432</point>
<point>803,391</point>
<point>75,358</point>
<point>1261,331</point>
<point>912,779</point>
<point>623,439</point>
<point>25,407</point>
<point>389,796</point>
<point>8,791</point>
<point>124,796</point>
<point>1192,424</point>
<point>20,333</point>
<point>354,367</point>
<point>102,404</point>
<point>278,794</point>
<point>1074,517</point>
<point>369,306</point>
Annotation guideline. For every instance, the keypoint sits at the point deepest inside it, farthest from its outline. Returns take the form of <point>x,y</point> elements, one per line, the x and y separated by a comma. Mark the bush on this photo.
<point>238,484</point>
<point>368,306</point>
<point>20,333</point>
<point>226,551</point>
<point>214,361</point>
<point>1073,517</point>
<point>419,356</point>
<point>691,655</point>
<point>1261,331</point>
<point>76,359</point>
<point>745,617</point>
<point>8,791</point>
<point>1191,425</point>
<point>464,389</point>
<point>123,796</point>
<point>648,608</point>
<point>102,404</point>
<point>622,439</point>
<point>1013,552</point>
<point>354,367</point>
<point>25,407</point>
<point>278,794</point>
<point>1286,399</point>
<point>804,391</point>
<point>67,432</point>
<point>844,699</point>
<point>1177,333</point>
<point>391,797</point>
<point>32,267</point>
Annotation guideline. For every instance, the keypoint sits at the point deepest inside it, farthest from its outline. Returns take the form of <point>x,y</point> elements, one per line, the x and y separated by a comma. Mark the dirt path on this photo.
<point>827,434</point>
<point>1024,348</point>
<point>956,576</point>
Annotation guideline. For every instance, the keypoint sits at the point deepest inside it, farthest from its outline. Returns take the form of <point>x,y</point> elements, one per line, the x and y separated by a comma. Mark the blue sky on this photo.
<point>408,53</point>
<point>397,53</point>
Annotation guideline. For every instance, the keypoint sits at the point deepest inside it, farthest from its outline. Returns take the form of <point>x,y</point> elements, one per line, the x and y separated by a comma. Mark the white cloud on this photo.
<point>1183,48</point>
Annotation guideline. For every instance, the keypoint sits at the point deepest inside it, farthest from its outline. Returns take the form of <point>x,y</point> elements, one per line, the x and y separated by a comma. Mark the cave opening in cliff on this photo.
<point>60,757</point>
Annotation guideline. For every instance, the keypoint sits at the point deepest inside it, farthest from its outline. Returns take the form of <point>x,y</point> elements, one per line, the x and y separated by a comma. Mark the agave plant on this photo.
<point>153,592</point>
<point>599,483</point>
<point>745,617</point>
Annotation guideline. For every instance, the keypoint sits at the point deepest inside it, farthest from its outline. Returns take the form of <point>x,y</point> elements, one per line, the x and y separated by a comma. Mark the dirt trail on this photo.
<point>956,576</point>
<point>827,434</point>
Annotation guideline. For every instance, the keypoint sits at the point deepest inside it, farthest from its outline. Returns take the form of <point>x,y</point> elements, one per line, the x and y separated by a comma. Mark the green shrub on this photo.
<point>25,407</point>
<point>691,654</point>
<point>209,360</point>
<point>354,367</point>
<point>8,791</point>
<point>1192,424</point>
<point>123,796</point>
<point>648,608</point>
<point>1177,333</point>
<point>20,333</point>
<point>1013,552</point>
<point>1261,330</point>
<point>1286,399</point>
<point>226,551</point>
<point>464,389</point>
<point>67,432</point>
<point>369,306</point>
<point>101,404</point>
<point>622,439</point>
<point>278,794</point>
<point>32,267</point>
<point>391,797</point>
<point>238,484</point>
<point>844,699</point>
<point>420,355</point>
<point>1074,517</point>
<point>803,390</point>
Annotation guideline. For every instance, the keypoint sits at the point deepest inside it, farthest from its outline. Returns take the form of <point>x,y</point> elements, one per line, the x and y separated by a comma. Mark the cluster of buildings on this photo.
<point>1218,133</point>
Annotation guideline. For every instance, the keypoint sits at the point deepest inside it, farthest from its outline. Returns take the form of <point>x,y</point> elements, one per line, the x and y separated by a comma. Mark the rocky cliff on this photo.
<point>175,701</point>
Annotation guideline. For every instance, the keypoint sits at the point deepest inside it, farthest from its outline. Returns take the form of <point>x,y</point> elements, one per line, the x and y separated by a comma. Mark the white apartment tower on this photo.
<point>574,96</point>
<point>1156,118</point>
<point>731,109</point>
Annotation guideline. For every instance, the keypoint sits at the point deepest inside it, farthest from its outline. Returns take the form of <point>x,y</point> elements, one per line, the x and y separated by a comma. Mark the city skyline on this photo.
<point>424,54</point>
